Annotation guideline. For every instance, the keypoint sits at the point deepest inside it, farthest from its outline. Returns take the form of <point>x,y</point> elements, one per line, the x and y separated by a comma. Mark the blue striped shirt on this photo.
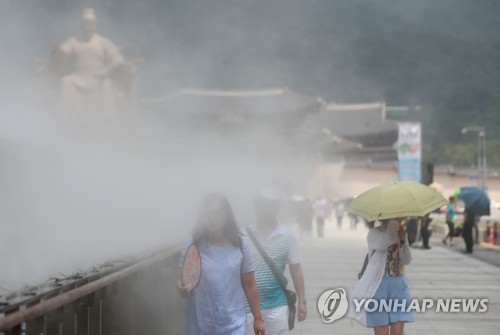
<point>282,247</point>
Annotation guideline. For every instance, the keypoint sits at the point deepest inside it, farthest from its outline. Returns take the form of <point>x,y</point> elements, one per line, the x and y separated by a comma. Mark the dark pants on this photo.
<point>320,223</point>
<point>476,232</point>
<point>451,229</point>
<point>467,234</point>
<point>425,237</point>
<point>411,229</point>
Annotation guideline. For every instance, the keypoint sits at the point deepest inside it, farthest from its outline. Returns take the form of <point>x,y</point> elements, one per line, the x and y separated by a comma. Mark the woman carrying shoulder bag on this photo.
<point>384,278</point>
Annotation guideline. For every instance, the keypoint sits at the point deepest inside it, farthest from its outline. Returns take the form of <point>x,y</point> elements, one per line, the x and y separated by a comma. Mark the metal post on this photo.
<point>484,162</point>
<point>479,162</point>
<point>482,171</point>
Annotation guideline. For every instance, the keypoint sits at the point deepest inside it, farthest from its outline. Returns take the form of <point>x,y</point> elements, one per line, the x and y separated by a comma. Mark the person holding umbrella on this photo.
<point>387,207</point>
<point>477,203</point>
<point>469,223</point>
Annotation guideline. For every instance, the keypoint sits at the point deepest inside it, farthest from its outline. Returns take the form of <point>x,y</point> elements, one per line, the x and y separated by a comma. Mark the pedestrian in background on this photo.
<point>305,216</point>
<point>425,231</point>
<point>412,229</point>
<point>468,226</point>
<point>320,208</point>
<point>339,212</point>
<point>450,215</point>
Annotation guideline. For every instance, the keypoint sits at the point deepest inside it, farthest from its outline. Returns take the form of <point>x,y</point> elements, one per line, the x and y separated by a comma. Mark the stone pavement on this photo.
<point>483,252</point>
<point>335,260</point>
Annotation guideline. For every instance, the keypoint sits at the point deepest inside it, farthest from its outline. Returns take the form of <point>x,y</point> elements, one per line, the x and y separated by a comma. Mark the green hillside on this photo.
<point>442,55</point>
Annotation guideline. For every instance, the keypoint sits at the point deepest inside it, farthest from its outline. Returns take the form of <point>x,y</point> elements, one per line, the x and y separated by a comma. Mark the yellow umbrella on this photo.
<point>395,200</point>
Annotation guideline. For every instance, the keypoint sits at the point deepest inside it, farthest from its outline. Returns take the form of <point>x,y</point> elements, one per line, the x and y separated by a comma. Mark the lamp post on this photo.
<point>481,154</point>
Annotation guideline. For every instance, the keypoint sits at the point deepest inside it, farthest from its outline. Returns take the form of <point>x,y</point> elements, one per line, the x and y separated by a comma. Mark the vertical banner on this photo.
<point>409,152</point>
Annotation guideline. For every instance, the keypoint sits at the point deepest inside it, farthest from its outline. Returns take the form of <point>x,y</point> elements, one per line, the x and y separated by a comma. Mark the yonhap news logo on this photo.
<point>454,305</point>
<point>332,304</point>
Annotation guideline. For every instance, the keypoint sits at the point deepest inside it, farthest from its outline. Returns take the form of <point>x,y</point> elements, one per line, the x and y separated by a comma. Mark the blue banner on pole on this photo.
<point>409,169</point>
<point>409,152</point>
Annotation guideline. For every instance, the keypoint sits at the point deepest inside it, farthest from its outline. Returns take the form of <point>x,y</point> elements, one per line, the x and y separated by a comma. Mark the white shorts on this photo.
<point>275,321</point>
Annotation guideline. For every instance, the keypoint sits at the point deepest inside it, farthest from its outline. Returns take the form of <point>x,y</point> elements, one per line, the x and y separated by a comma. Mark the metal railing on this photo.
<point>134,297</point>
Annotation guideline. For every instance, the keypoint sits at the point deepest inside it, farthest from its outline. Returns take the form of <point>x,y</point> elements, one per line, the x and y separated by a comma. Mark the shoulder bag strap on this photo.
<point>267,259</point>
<point>365,264</point>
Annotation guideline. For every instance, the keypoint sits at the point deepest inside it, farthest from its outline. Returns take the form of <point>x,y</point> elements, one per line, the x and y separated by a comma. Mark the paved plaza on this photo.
<point>440,272</point>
